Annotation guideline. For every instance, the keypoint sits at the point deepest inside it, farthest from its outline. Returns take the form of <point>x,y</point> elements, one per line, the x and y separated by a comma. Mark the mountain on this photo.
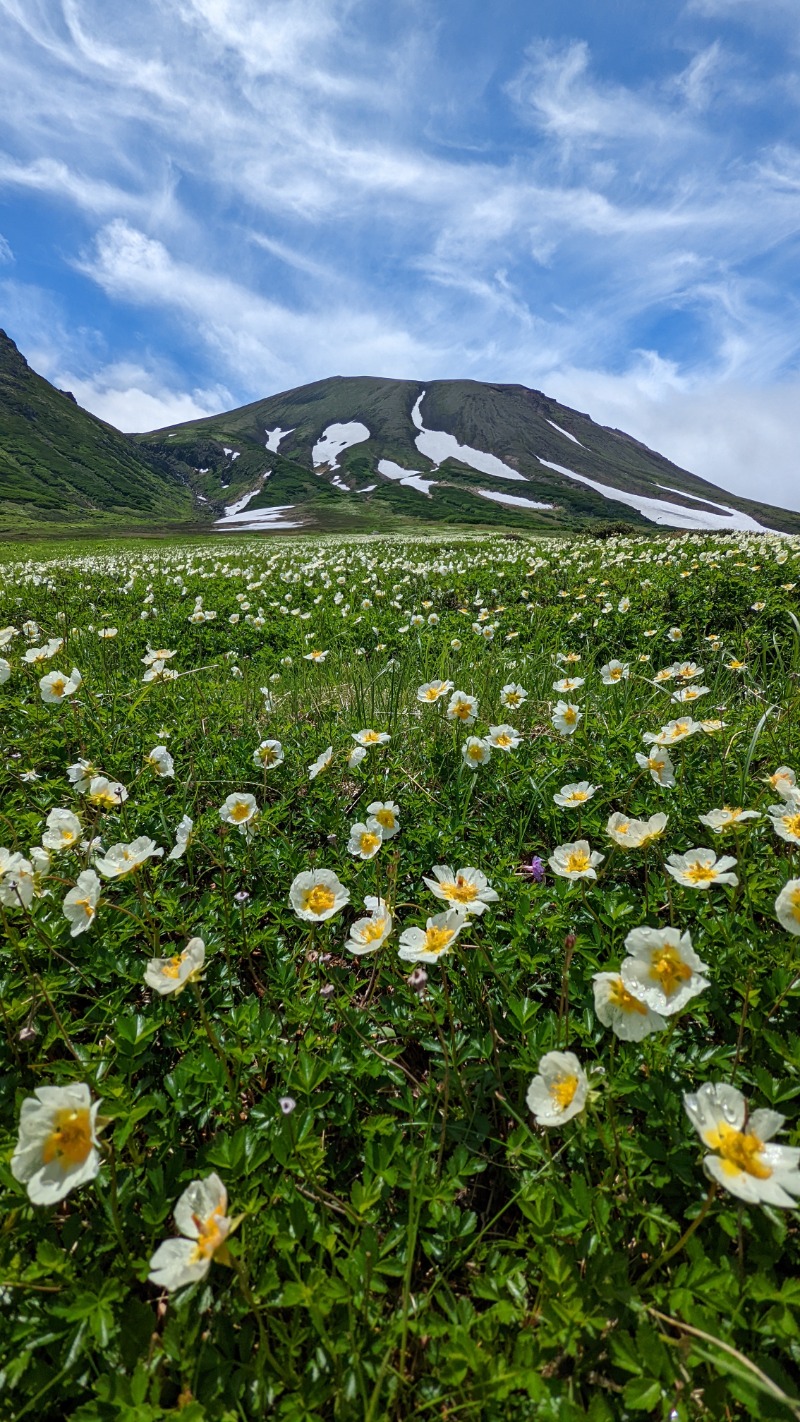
<point>345,454</point>
<point>364,452</point>
<point>61,466</point>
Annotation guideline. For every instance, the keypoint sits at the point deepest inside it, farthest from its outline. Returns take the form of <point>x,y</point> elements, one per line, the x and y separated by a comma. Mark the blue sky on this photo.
<point>209,201</point>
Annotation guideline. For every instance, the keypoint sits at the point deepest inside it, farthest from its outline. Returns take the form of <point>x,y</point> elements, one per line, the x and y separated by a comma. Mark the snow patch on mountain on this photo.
<point>335,439</point>
<point>275,436</point>
<point>244,522</point>
<point>407,478</point>
<point>566,434</point>
<point>437,446</point>
<point>660,511</point>
<point>513,500</point>
<point>231,510</point>
<point>233,453</point>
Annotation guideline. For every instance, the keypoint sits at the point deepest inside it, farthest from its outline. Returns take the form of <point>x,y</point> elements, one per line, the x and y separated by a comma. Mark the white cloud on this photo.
<point>6,254</point>
<point>133,399</point>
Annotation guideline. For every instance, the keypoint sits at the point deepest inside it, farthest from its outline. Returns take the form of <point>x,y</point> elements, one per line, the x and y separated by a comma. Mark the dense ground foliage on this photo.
<point>392,1221</point>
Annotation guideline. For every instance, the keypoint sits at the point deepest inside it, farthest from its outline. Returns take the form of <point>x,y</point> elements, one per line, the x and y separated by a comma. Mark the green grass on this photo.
<point>410,1243</point>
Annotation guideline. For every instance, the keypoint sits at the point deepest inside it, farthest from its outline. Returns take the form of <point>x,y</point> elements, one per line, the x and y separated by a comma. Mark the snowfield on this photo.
<point>437,446</point>
<point>408,478</point>
<point>243,522</point>
<point>275,436</point>
<point>335,439</point>
<point>662,512</point>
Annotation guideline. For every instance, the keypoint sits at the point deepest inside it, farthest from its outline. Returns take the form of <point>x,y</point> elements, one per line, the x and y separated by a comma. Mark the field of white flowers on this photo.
<point>399,981</point>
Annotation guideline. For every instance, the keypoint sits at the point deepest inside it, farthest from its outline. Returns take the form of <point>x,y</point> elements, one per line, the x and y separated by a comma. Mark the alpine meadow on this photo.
<point>400,978</point>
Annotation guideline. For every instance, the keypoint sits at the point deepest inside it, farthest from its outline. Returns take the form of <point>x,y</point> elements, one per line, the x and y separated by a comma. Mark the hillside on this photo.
<point>61,466</point>
<point>365,452</point>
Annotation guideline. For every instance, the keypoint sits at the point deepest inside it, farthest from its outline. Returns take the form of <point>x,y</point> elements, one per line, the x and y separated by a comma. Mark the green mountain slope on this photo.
<point>580,473</point>
<point>61,466</point>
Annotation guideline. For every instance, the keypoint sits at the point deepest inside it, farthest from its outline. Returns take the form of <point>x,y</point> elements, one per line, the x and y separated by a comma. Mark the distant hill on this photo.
<point>364,452</point>
<point>59,465</point>
<point>351,454</point>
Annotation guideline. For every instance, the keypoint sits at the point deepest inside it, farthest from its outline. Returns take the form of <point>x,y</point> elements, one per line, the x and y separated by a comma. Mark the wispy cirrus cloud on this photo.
<point>257,192</point>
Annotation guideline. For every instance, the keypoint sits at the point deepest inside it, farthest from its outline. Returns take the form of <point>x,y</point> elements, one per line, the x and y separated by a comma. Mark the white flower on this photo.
<point>357,754</point>
<point>690,693</point>
<point>659,765</point>
<point>613,672</point>
<point>784,783</point>
<point>108,794</point>
<point>624,604</point>
<point>575,861</point>
<point>81,774</point>
<point>370,933</point>
<point>743,1160</point>
<point>268,755</point>
<point>17,884</point>
<point>106,633</point>
<point>122,859</point>
<point>662,968</point>
<point>786,820</point>
<point>475,752</point>
<point>674,634</point>
<point>33,655</point>
<point>787,906</point>
<point>63,830</point>
<point>503,738</point>
<point>159,671</point>
<point>80,904</point>
<point>161,762</point>
<point>432,691</point>
<point>727,818</point>
<point>241,810</point>
<point>57,1146</point>
<point>170,975</point>
<point>371,738</point>
<point>426,945</point>
<point>55,686</point>
<point>625,1013</point>
<point>466,889</point>
<point>317,894</point>
<point>6,635</point>
<point>200,1216</point>
<point>315,656</point>
<point>513,695</point>
<point>387,813</point>
<point>566,716</point>
<point>162,654</point>
<point>183,835</point>
<point>673,732</point>
<point>365,839</point>
<point>635,834</point>
<point>5,670</point>
<point>576,794</point>
<point>560,1090</point>
<point>321,763</point>
<point>463,708</point>
<point>700,868</point>
<point>569,683</point>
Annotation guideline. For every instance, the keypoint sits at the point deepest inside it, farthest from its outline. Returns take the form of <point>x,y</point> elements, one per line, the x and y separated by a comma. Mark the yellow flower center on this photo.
<point>369,842</point>
<point>620,997</point>
<point>577,861</point>
<point>463,710</point>
<point>57,686</point>
<point>210,1235</point>
<point>794,904</point>
<point>432,693</point>
<point>502,739</point>
<point>615,673</point>
<point>698,873</point>
<point>623,828</point>
<point>87,907</point>
<point>570,715</point>
<point>240,811</point>
<point>266,755</point>
<point>512,698</point>
<point>172,969</point>
<point>318,899</point>
<point>461,890</point>
<point>370,737</point>
<point>437,939</point>
<point>740,1150</point>
<point>792,823</point>
<point>578,796</point>
<point>372,930</point>
<point>563,1091</point>
<point>106,799</point>
<point>385,818</point>
<point>669,969</point>
<point>476,751</point>
<point>71,1140</point>
<point>657,766</point>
